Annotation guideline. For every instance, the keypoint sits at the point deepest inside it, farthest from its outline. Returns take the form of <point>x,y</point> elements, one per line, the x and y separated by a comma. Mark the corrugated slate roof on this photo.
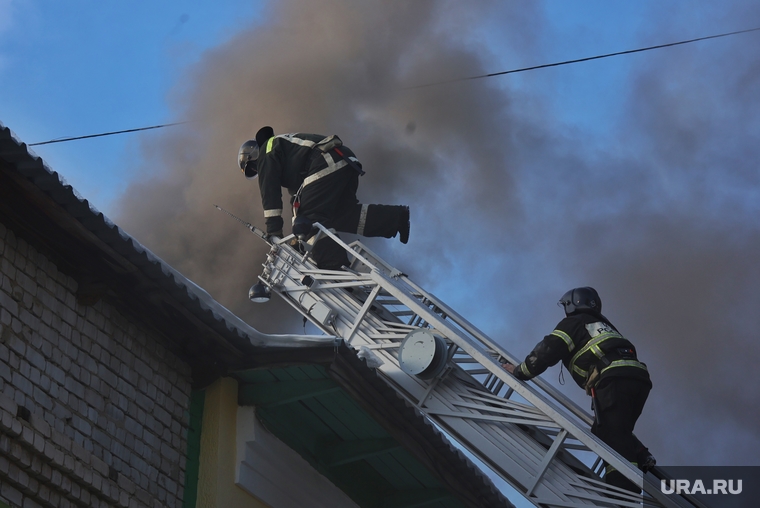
<point>32,168</point>
<point>82,221</point>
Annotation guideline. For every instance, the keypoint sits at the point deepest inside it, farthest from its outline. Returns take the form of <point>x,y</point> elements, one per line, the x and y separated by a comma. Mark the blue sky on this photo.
<point>634,174</point>
<point>72,68</point>
<point>78,68</point>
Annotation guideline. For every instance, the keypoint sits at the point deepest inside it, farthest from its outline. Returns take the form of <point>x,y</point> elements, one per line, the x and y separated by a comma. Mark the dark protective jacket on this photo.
<point>285,161</point>
<point>581,342</point>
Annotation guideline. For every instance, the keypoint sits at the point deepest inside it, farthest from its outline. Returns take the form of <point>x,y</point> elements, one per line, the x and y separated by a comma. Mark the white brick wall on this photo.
<point>107,403</point>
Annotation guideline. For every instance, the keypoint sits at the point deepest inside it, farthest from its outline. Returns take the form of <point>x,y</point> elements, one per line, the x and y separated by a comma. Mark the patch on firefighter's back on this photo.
<point>599,328</point>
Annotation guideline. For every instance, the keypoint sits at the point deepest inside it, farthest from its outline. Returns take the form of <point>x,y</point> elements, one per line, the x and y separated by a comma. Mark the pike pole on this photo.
<point>256,231</point>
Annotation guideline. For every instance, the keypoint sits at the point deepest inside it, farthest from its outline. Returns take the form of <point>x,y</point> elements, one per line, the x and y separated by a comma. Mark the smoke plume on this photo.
<point>656,205</point>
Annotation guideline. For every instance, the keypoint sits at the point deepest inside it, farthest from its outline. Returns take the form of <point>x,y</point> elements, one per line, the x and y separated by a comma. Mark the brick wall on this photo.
<point>93,408</point>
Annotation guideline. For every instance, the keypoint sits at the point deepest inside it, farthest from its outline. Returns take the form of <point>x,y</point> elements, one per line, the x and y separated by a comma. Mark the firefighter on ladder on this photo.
<point>322,176</point>
<point>605,364</point>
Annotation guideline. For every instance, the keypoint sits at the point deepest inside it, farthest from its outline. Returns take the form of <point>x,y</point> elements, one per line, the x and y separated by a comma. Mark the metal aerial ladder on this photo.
<point>529,434</point>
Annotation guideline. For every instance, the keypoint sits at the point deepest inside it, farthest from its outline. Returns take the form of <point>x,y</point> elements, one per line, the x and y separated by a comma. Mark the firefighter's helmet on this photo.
<point>580,299</point>
<point>247,157</point>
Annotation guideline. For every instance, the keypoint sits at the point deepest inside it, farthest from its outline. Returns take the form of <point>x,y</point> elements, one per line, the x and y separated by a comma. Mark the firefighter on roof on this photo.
<point>322,176</point>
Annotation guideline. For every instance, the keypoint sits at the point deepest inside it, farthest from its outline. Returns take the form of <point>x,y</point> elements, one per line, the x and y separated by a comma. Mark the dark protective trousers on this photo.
<point>619,402</point>
<point>332,202</point>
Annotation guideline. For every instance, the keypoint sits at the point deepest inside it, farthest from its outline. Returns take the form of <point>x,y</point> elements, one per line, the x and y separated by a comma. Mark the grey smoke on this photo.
<point>657,207</point>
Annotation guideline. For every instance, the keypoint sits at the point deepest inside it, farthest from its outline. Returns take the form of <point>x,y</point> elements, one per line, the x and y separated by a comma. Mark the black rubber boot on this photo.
<point>403,225</point>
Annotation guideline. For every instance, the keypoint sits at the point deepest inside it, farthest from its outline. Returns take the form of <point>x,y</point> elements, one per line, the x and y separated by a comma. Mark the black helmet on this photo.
<point>580,299</point>
<point>247,157</point>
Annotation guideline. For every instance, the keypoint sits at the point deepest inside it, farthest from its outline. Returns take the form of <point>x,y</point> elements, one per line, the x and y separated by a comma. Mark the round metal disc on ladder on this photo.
<point>422,354</point>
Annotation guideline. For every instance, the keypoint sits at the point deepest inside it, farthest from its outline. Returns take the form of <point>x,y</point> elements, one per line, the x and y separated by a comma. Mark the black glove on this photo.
<point>277,234</point>
<point>302,226</point>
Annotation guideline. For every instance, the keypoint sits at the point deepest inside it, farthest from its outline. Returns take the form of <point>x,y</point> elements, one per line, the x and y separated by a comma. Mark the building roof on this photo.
<point>108,264</point>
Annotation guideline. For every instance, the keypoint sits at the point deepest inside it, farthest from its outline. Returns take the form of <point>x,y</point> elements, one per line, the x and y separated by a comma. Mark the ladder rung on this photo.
<point>476,372</point>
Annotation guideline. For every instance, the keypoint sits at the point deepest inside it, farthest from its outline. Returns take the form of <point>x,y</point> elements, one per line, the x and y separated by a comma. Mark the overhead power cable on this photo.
<point>470,78</point>
<point>578,60</point>
<point>62,140</point>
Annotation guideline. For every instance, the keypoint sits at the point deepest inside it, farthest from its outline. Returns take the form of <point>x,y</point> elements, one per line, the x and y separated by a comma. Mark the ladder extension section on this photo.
<point>529,434</point>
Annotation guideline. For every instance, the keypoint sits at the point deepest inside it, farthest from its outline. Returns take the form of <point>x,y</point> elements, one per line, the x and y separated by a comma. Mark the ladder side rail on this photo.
<point>431,316</point>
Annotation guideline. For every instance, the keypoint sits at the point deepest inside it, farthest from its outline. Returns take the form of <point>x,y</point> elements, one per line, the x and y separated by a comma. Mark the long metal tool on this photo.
<point>528,434</point>
<point>256,231</point>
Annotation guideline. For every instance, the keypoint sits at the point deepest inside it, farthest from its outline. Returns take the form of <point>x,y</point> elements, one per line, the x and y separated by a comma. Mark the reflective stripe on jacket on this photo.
<point>285,162</point>
<point>581,342</point>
